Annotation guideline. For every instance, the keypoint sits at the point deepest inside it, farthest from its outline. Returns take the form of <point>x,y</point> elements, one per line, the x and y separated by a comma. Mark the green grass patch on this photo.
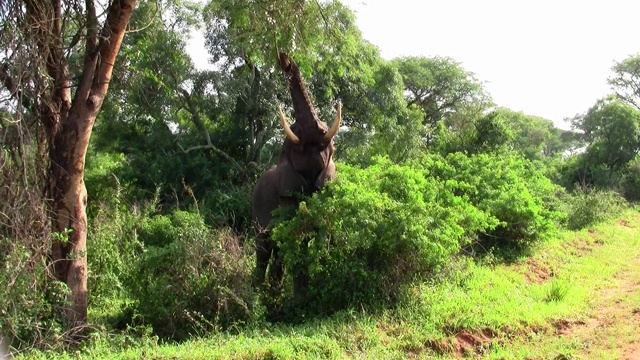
<point>508,311</point>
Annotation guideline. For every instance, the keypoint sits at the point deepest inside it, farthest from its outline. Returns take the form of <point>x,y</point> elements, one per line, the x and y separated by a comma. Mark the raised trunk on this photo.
<point>305,112</point>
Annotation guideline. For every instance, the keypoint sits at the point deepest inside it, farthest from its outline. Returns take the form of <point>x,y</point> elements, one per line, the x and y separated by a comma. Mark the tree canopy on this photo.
<point>128,172</point>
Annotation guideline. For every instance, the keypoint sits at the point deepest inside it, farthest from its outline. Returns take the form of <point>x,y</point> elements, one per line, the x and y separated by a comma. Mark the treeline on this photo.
<point>430,169</point>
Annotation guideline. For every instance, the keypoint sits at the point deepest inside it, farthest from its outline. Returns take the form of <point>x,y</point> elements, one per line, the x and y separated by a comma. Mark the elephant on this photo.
<point>305,164</point>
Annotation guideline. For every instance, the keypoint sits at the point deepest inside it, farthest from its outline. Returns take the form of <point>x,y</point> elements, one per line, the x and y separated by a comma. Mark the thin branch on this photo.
<point>195,117</point>
<point>110,41</point>
<point>153,17</point>
<point>90,56</point>
<point>12,87</point>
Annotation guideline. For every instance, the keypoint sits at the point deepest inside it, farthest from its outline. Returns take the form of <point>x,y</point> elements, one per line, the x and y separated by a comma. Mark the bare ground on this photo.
<point>612,330</point>
<point>615,322</point>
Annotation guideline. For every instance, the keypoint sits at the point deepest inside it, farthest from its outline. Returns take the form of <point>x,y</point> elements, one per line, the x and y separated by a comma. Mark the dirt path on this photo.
<point>615,324</point>
<point>631,315</point>
<point>611,329</point>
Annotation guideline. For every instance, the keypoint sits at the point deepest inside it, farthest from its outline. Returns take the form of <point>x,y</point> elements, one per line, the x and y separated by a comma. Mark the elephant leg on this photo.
<point>263,253</point>
<point>301,273</point>
<point>276,271</point>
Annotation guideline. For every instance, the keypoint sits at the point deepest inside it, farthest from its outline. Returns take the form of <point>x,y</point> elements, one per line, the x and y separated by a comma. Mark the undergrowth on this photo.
<point>494,305</point>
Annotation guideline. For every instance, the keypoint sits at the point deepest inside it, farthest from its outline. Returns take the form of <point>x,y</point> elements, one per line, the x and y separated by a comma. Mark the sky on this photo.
<point>549,58</point>
<point>545,58</point>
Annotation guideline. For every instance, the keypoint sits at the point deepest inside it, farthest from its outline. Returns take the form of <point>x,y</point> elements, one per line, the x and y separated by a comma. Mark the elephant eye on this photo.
<point>315,147</point>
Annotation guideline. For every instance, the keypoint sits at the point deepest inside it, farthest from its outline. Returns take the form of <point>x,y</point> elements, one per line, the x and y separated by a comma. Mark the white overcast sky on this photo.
<point>543,57</point>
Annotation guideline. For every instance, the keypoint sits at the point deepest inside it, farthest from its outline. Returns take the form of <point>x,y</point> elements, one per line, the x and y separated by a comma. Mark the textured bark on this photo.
<point>69,124</point>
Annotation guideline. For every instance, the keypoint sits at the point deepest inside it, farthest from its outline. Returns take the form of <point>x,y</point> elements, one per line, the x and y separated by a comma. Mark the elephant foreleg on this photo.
<point>263,253</point>
<point>301,274</point>
<point>276,270</point>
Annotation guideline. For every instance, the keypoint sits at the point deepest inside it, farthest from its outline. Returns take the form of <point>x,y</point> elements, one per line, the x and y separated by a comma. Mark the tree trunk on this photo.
<point>69,217</point>
<point>67,120</point>
<point>69,129</point>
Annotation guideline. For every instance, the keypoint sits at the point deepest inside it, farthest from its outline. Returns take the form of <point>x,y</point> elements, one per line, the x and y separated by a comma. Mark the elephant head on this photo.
<point>304,165</point>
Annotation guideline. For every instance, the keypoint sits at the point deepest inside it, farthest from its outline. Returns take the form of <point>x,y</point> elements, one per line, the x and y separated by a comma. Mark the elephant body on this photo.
<point>304,165</point>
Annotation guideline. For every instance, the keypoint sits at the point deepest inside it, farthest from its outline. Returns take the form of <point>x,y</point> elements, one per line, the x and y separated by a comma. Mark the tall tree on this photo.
<point>56,63</point>
<point>243,36</point>
<point>611,129</point>
<point>439,86</point>
<point>626,80</point>
<point>536,137</point>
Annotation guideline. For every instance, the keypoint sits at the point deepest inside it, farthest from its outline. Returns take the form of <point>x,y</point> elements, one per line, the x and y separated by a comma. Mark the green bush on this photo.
<point>191,279</point>
<point>507,187</point>
<point>33,302</point>
<point>372,231</point>
<point>631,180</point>
<point>112,251</point>
<point>589,207</point>
<point>228,206</point>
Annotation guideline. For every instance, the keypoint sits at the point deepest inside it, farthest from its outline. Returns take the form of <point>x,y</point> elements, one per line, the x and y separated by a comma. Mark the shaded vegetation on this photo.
<point>437,188</point>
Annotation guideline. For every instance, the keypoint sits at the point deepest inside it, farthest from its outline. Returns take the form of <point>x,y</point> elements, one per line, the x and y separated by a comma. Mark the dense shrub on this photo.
<point>588,207</point>
<point>32,301</point>
<point>228,206</point>
<point>114,249</point>
<point>190,279</point>
<point>631,180</point>
<point>507,187</point>
<point>374,230</point>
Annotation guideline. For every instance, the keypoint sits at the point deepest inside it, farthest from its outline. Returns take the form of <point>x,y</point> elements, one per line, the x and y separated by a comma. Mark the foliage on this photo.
<point>503,129</point>
<point>428,167</point>
<point>488,133</point>
<point>114,250</point>
<point>190,279</point>
<point>32,300</point>
<point>612,131</point>
<point>378,229</point>
<point>590,207</point>
<point>382,226</point>
<point>492,305</point>
<point>536,137</point>
<point>507,187</point>
<point>440,86</point>
<point>630,187</point>
<point>626,80</point>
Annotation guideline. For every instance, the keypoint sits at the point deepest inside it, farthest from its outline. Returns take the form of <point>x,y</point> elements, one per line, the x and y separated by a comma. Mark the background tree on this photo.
<point>611,129</point>
<point>626,80</point>
<point>439,86</point>
<point>610,132</point>
<point>536,137</point>
<point>40,42</point>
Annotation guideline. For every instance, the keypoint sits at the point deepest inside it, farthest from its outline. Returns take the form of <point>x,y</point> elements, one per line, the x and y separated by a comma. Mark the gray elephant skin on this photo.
<point>305,164</point>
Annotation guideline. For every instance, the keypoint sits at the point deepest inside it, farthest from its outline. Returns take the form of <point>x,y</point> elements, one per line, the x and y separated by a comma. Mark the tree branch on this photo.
<point>91,49</point>
<point>195,117</point>
<point>12,87</point>
<point>107,49</point>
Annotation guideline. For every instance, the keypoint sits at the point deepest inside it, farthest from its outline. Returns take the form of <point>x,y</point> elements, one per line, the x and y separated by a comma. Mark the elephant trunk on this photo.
<point>306,115</point>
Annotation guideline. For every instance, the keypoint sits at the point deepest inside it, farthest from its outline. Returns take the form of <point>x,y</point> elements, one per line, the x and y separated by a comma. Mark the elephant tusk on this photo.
<point>336,124</point>
<point>287,130</point>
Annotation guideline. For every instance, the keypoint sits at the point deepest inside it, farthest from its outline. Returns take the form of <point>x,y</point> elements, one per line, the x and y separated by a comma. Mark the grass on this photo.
<point>576,297</point>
